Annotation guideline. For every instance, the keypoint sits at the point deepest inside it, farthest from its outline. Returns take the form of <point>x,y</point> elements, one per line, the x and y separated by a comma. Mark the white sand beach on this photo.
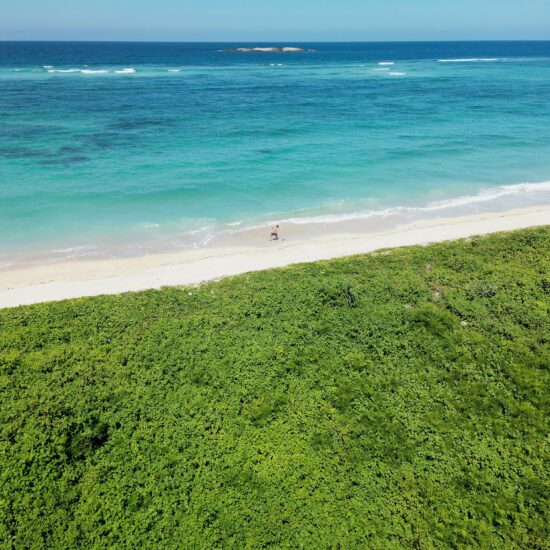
<point>250,251</point>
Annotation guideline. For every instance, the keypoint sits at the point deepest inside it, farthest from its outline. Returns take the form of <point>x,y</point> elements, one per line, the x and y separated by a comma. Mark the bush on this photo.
<point>341,294</point>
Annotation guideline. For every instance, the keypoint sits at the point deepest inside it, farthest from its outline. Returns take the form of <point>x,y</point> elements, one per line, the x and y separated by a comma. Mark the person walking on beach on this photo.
<point>274,233</point>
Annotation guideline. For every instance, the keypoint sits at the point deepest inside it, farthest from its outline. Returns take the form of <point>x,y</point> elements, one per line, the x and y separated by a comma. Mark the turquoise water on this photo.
<point>117,149</point>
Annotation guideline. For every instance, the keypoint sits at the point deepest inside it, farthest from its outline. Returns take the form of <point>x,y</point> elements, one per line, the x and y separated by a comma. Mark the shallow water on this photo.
<point>122,149</point>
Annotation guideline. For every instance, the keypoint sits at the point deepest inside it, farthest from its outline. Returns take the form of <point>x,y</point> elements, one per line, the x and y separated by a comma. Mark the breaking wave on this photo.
<point>485,196</point>
<point>469,60</point>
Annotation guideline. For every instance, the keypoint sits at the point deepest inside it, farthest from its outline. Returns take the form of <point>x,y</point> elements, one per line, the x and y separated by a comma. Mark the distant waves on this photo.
<point>470,60</point>
<point>91,71</point>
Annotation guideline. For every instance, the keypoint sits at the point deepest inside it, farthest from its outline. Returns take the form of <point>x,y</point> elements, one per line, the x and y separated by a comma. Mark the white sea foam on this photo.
<point>64,70</point>
<point>202,241</point>
<point>382,69</point>
<point>469,60</point>
<point>205,240</point>
<point>126,71</point>
<point>174,70</point>
<point>201,229</point>
<point>386,63</point>
<point>489,195</point>
<point>91,71</point>
<point>485,196</point>
<point>398,74</point>
<point>47,66</point>
<point>235,224</point>
<point>70,249</point>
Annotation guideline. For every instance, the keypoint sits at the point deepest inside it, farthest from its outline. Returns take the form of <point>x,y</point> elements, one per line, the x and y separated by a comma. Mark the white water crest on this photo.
<point>90,71</point>
<point>469,60</point>
<point>490,195</point>
<point>484,196</point>
<point>70,249</point>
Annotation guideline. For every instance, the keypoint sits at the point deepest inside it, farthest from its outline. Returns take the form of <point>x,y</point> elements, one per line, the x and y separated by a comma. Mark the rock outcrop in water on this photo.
<point>286,49</point>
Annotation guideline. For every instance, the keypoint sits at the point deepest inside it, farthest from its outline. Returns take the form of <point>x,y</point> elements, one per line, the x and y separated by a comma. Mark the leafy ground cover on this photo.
<point>396,399</point>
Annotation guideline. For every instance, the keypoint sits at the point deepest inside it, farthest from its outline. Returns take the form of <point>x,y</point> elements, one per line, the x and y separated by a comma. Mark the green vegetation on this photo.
<point>397,399</point>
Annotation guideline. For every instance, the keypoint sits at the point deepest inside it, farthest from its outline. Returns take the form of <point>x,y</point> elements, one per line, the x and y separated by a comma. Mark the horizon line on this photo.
<point>280,41</point>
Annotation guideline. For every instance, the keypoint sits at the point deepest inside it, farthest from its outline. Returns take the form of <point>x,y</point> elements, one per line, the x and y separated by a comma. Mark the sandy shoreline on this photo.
<point>90,278</point>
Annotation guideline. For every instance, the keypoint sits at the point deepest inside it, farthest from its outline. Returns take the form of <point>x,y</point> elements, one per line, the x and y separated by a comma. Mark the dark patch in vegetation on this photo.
<point>436,321</point>
<point>83,439</point>
<point>341,294</point>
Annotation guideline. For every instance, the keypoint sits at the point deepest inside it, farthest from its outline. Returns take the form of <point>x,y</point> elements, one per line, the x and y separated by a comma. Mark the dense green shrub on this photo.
<point>341,294</point>
<point>379,401</point>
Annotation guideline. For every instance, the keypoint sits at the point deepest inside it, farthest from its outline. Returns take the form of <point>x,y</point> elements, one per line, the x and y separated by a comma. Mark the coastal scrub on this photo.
<point>388,400</point>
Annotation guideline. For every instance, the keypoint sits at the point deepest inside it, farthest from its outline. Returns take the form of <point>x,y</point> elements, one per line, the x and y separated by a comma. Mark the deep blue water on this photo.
<point>126,147</point>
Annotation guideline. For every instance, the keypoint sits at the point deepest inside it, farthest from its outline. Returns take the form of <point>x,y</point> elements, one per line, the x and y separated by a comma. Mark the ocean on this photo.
<point>121,149</point>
